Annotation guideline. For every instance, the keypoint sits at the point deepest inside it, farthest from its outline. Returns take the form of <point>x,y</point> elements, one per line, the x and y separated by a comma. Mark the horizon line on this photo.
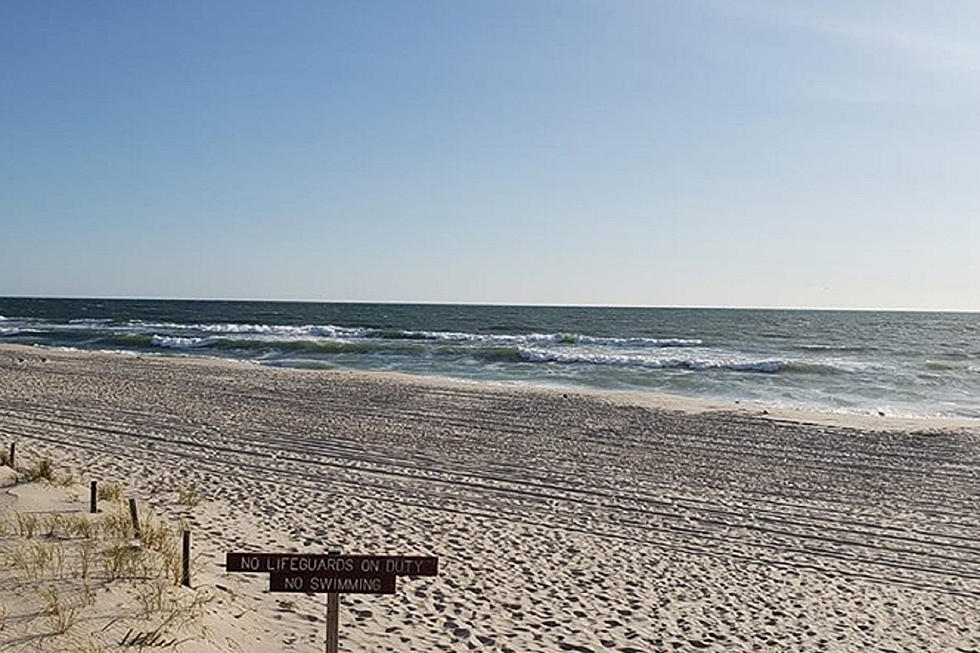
<point>398,302</point>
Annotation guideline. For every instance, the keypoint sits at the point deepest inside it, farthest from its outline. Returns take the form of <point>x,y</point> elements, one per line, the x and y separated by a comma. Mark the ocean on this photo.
<point>899,363</point>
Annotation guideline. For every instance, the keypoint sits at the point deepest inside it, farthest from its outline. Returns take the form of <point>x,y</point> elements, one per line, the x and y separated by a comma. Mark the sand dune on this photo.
<point>562,521</point>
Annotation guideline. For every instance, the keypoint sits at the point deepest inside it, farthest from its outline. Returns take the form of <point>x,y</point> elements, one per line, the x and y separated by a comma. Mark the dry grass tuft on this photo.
<point>60,617</point>
<point>117,525</point>
<point>188,497</point>
<point>110,491</point>
<point>121,560</point>
<point>79,525</point>
<point>55,525</point>
<point>27,524</point>
<point>42,470</point>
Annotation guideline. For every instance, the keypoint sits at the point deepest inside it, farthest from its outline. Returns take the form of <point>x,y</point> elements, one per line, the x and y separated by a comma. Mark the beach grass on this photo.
<point>76,564</point>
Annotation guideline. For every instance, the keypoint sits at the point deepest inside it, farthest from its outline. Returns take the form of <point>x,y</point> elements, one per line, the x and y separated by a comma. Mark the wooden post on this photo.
<point>13,450</point>
<point>333,619</point>
<point>333,623</point>
<point>93,499</point>
<point>134,516</point>
<point>186,572</point>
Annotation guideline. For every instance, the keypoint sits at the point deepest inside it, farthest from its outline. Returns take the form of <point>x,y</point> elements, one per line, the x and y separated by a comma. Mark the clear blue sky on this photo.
<point>731,153</point>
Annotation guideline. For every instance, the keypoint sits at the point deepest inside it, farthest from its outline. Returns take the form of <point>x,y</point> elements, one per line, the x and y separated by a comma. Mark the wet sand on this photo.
<point>563,521</point>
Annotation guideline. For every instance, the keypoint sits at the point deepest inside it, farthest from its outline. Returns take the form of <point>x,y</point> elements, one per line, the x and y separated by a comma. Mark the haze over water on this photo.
<point>904,364</point>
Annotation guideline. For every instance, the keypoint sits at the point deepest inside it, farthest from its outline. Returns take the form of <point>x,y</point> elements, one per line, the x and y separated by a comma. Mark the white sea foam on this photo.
<point>483,338</point>
<point>639,342</point>
<point>325,330</point>
<point>121,352</point>
<point>599,358</point>
<point>14,331</point>
<point>552,338</point>
<point>334,331</point>
<point>175,342</point>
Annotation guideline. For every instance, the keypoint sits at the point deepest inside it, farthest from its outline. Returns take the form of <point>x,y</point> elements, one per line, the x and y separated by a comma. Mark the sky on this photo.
<point>661,153</point>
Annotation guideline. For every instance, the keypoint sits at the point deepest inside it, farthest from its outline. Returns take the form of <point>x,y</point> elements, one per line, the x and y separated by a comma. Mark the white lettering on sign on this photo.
<point>332,565</point>
<point>369,565</point>
<point>402,567</point>
<point>331,584</point>
<point>304,564</point>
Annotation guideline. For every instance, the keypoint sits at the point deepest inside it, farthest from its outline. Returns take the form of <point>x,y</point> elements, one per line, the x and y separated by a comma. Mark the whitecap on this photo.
<point>599,358</point>
<point>175,342</point>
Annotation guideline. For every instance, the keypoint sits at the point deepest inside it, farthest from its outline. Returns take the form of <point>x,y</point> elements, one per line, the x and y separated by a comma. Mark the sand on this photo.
<point>563,521</point>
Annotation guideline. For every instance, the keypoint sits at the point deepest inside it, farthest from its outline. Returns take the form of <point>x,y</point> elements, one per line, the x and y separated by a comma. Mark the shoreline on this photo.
<point>648,399</point>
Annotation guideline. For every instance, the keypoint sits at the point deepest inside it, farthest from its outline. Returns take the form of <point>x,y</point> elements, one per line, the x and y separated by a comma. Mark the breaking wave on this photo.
<point>234,344</point>
<point>174,342</point>
<point>327,330</point>
<point>597,358</point>
<point>834,348</point>
<point>335,331</point>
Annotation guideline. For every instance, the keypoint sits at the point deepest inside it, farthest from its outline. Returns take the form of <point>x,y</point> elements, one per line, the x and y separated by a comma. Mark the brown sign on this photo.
<point>340,566</point>
<point>327,583</point>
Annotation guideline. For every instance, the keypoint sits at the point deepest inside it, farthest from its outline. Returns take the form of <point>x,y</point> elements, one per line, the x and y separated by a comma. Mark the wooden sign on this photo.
<point>280,581</point>
<point>340,566</point>
<point>331,574</point>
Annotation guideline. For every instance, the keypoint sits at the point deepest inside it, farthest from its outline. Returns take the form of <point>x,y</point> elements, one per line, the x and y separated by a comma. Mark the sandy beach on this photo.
<point>563,521</point>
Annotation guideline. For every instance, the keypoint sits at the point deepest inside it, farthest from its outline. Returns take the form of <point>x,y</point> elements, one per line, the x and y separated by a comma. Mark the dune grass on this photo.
<point>65,562</point>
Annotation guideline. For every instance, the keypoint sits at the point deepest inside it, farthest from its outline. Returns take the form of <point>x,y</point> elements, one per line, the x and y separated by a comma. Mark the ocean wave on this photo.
<point>312,346</point>
<point>639,342</point>
<point>735,365</point>
<point>480,338</point>
<point>493,339</point>
<point>121,352</point>
<point>240,344</point>
<point>175,342</point>
<point>17,331</point>
<point>834,348</point>
<point>326,330</point>
<point>546,338</point>
<point>497,354</point>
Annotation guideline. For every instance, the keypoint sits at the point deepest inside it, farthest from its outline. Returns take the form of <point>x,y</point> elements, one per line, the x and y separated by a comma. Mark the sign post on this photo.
<point>333,618</point>
<point>333,622</point>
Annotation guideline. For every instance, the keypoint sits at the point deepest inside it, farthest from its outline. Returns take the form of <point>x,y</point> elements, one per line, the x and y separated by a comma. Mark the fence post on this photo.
<point>93,499</point>
<point>134,516</point>
<point>186,570</point>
